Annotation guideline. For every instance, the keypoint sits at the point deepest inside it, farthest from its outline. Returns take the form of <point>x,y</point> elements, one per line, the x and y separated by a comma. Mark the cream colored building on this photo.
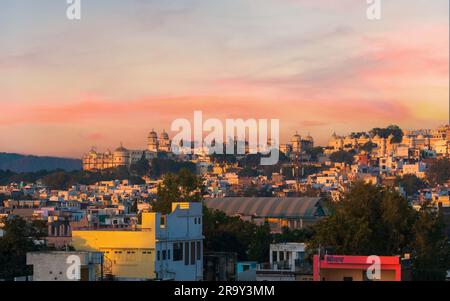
<point>94,160</point>
<point>120,157</point>
<point>437,140</point>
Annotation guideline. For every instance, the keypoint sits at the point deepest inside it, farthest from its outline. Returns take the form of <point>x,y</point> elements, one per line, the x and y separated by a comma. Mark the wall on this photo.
<point>116,245</point>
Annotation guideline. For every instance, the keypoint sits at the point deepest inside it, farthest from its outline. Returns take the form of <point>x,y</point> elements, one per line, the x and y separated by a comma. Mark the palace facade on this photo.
<point>437,140</point>
<point>121,156</point>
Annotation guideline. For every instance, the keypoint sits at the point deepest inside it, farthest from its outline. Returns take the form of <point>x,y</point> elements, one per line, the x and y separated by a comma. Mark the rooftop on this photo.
<point>306,207</point>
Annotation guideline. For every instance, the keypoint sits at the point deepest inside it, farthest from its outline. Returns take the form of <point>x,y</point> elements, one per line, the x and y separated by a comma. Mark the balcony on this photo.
<point>300,267</point>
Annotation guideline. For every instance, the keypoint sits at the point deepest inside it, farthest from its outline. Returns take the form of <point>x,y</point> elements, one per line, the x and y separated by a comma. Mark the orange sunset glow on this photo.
<point>124,69</point>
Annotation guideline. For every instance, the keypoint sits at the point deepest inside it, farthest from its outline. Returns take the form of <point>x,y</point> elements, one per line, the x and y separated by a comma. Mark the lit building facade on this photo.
<point>163,247</point>
<point>437,140</point>
<point>94,160</point>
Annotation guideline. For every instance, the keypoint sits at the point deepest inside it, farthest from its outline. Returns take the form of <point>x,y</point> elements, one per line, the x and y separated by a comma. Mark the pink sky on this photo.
<point>122,70</point>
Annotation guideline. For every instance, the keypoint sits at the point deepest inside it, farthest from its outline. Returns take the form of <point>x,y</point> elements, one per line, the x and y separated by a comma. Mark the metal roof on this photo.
<point>294,207</point>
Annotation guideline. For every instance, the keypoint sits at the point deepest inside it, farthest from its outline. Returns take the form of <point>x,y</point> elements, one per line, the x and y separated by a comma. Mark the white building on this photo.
<point>162,247</point>
<point>287,263</point>
<point>66,266</point>
<point>179,243</point>
<point>287,255</point>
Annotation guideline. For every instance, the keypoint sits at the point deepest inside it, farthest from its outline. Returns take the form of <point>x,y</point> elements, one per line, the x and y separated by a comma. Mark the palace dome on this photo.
<point>164,135</point>
<point>121,149</point>
<point>152,135</point>
<point>296,138</point>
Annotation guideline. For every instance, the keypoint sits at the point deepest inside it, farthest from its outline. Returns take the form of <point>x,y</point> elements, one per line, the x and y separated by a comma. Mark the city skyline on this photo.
<point>130,66</point>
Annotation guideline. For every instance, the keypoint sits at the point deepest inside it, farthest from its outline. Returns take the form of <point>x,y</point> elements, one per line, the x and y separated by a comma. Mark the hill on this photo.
<point>28,163</point>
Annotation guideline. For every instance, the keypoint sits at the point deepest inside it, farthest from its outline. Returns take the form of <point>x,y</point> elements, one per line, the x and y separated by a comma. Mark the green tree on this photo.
<point>374,220</point>
<point>58,180</point>
<point>296,235</point>
<point>394,130</point>
<point>368,147</point>
<point>367,220</point>
<point>162,166</point>
<point>314,152</point>
<point>342,157</point>
<point>182,187</point>
<point>439,171</point>
<point>411,183</point>
<point>18,239</point>
<point>231,234</point>
<point>141,168</point>
<point>431,247</point>
<point>260,244</point>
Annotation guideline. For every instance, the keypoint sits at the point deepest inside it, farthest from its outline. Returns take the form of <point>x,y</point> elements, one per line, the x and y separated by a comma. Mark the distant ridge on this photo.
<point>29,163</point>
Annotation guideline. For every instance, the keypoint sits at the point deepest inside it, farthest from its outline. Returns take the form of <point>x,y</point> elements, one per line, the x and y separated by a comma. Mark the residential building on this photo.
<point>163,247</point>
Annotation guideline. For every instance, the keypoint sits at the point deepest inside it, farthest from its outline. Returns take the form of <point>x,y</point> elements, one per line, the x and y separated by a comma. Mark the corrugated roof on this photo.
<point>294,207</point>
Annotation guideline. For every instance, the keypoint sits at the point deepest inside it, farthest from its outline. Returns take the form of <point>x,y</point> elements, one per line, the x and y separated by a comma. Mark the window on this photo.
<point>199,250</point>
<point>168,254</point>
<point>274,256</point>
<point>162,221</point>
<point>192,252</point>
<point>164,254</point>
<point>158,255</point>
<point>281,256</point>
<point>186,253</point>
<point>177,251</point>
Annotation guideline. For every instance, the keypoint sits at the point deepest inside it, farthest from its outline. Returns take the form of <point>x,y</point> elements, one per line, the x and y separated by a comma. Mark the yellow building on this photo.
<point>162,247</point>
<point>127,253</point>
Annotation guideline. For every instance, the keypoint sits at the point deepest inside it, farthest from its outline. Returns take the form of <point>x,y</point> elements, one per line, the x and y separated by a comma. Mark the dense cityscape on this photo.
<point>224,148</point>
<point>317,214</point>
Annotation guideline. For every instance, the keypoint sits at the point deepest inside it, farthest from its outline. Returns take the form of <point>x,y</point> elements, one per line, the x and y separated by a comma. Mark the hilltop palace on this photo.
<point>413,142</point>
<point>94,160</point>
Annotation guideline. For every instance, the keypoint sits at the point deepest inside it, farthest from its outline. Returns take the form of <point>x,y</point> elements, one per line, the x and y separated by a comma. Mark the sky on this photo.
<point>130,66</point>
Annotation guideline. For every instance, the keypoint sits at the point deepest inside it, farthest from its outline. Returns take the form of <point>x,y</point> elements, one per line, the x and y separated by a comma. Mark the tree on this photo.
<point>342,157</point>
<point>296,235</point>
<point>18,239</point>
<point>438,172</point>
<point>367,220</point>
<point>141,168</point>
<point>431,248</point>
<point>394,130</point>
<point>231,234</point>
<point>368,147</point>
<point>182,187</point>
<point>160,167</point>
<point>370,220</point>
<point>411,183</point>
<point>58,180</point>
<point>314,152</point>
<point>260,244</point>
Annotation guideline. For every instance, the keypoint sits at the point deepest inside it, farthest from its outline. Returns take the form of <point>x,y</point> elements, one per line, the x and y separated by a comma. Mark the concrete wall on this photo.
<point>54,266</point>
